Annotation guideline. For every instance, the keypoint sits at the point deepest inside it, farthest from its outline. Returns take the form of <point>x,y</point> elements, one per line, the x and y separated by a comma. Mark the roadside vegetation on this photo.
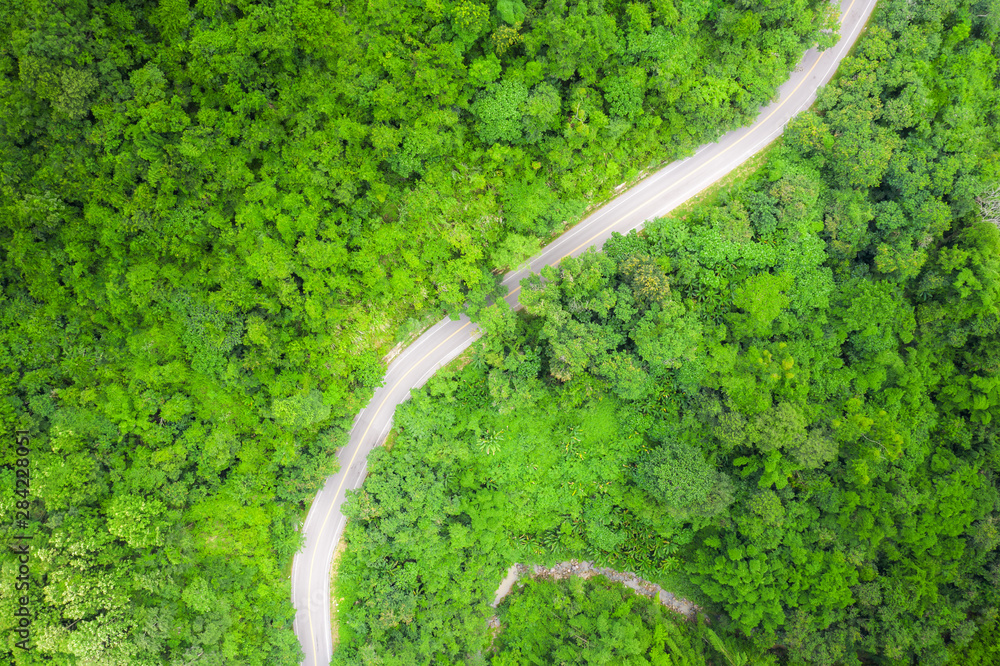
<point>215,218</point>
<point>783,406</point>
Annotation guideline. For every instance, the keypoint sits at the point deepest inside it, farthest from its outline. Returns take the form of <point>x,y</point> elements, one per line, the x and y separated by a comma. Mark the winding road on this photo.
<point>653,197</point>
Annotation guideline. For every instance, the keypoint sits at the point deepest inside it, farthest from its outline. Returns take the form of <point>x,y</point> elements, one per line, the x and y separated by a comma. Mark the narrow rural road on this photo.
<point>653,197</point>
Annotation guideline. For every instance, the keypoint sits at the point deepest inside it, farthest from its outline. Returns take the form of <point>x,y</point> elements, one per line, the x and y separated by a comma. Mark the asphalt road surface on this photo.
<point>653,197</point>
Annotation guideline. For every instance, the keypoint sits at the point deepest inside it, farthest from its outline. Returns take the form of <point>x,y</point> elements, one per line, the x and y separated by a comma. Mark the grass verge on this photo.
<point>334,624</point>
<point>711,194</point>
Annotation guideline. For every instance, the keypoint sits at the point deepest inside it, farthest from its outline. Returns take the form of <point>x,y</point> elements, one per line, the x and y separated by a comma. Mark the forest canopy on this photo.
<point>596,622</point>
<point>782,403</point>
<point>215,219</point>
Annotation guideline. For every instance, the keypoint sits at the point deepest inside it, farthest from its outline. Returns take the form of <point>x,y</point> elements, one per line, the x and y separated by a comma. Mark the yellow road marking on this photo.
<point>518,288</point>
<point>312,560</point>
<point>702,166</point>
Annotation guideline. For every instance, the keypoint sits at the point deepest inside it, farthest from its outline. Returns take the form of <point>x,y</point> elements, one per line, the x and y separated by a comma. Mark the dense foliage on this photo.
<point>206,210</point>
<point>593,622</point>
<point>290,169</point>
<point>784,404</point>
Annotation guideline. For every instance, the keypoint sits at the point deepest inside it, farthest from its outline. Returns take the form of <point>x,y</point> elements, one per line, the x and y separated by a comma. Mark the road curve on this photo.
<point>653,197</point>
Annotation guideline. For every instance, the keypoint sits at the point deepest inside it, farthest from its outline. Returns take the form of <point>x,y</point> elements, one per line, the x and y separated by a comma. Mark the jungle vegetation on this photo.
<point>782,404</point>
<point>593,622</point>
<point>215,217</point>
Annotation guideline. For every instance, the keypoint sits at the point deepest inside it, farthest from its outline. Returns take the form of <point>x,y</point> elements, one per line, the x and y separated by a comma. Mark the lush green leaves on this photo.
<point>802,377</point>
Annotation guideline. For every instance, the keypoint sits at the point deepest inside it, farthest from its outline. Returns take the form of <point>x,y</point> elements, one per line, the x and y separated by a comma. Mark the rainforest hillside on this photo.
<point>783,404</point>
<point>215,217</point>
